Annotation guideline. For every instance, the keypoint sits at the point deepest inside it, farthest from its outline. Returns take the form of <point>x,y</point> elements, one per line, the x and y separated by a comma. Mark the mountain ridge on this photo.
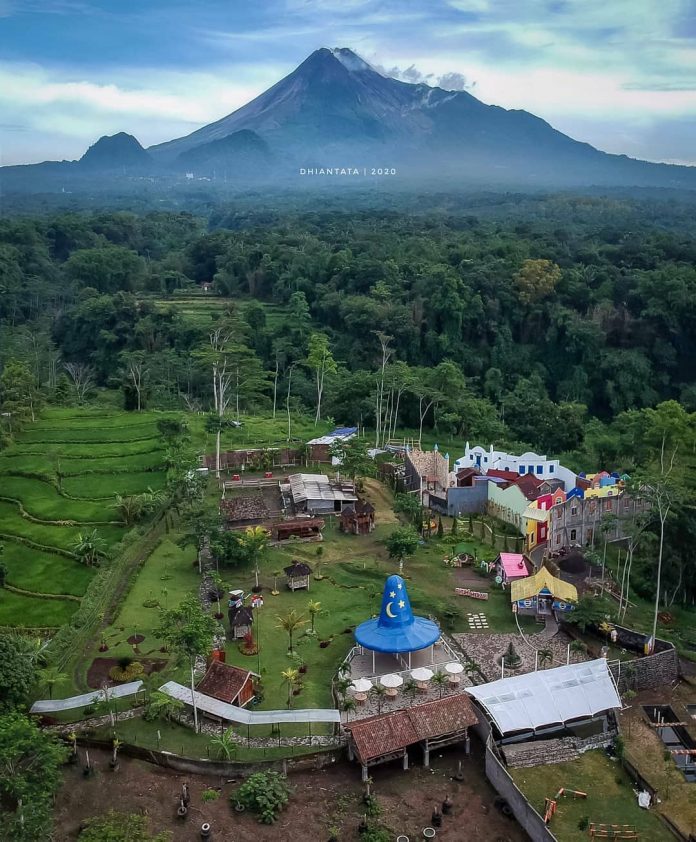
<point>335,109</point>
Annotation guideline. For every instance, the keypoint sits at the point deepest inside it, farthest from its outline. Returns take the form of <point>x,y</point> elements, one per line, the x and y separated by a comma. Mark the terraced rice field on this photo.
<point>57,481</point>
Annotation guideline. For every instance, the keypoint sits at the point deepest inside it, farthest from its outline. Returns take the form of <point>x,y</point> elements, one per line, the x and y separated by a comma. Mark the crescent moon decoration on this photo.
<point>388,611</point>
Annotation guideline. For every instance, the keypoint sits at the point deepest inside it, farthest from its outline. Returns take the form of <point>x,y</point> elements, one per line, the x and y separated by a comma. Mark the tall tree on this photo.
<point>189,631</point>
<point>320,360</point>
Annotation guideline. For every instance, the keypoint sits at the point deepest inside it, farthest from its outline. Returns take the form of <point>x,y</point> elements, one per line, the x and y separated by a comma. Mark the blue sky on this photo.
<point>620,74</point>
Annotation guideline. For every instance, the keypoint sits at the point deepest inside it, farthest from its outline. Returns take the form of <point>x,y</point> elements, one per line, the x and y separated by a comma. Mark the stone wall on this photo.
<point>648,673</point>
<point>559,750</point>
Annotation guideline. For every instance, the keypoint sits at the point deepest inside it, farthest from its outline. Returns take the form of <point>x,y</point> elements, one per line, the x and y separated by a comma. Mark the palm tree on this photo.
<point>313,608</point>
<point>544,656</point>
<point>225,744</point>
<point>163,706</point>
<point>342,685</point>
<point>49,677</point>
<point>89,547</point>
<point>349,706</point>
<point>255,541</point>
<point>410,689</point>
<point>290,623</point>
<point>471,667</point>
<point>290,677</point>
<point>379,693</point>
<point>440,681</point>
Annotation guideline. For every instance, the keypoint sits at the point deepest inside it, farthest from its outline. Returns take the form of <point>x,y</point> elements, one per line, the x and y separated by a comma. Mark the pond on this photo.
<point>674,737</point>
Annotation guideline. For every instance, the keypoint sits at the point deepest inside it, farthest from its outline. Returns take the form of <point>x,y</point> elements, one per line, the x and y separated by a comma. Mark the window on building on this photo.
<point>608,505</point>
<point>530,469</point>
<point>540,469</point>
<point>485,459</point>
<point>558,539</point>
<point>521,469</point>
<point>550,469</point>
<point>573,510</point>
<point>573,534</point>
<point>625,505</point>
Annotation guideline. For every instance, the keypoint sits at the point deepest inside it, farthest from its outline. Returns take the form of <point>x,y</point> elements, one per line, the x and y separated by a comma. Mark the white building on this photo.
<point>528,463</point>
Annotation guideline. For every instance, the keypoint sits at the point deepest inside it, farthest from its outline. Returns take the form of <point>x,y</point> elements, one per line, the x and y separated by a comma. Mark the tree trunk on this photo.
<point>663,517</point>
<point>217,453</point>
<point>193,699</point>
<point>275,388</point>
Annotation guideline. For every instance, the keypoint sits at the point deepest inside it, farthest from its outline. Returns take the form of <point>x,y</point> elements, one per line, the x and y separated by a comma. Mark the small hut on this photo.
<point>358,518</point>
<point>298,575</point>
<point>241,620</point>
<point>228,684</point>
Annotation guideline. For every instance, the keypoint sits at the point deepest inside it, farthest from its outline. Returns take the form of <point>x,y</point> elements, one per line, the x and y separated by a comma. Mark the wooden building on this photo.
<point>358,519</point>
<point>228,684</point>
<point>241,620</point>
<point>433,725</point>
<point>298,574</point>
<point>542,595</point>
<point>303,528</point>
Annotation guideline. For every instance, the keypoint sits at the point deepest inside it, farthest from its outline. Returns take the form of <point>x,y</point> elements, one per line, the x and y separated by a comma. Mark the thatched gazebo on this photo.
<point>298,574</point>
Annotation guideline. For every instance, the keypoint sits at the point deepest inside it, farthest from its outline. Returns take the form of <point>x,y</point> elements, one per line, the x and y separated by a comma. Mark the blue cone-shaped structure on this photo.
<point>396,629</point>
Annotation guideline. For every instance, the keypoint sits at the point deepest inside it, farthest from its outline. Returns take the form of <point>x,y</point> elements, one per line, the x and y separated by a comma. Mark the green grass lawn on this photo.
<point>100,453</point>
<point>32,612</point>
<point>105,486</point>
<point>42,572</point>
<point>610,798</point>
<point>168,569</point>
<point>260,431</point>
<point>42,500</point>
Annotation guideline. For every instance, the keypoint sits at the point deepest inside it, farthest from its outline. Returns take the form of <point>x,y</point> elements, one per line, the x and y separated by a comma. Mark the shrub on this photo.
<point>128,673</point>
<point>209,795</point>
<point>376,834</point>
<point>372,808</point>
<point>264,793</point>
<point>584,823</point>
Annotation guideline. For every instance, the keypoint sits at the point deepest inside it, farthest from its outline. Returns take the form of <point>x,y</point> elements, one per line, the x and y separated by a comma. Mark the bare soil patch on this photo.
<point>319,800</point>
<point>98,673</point>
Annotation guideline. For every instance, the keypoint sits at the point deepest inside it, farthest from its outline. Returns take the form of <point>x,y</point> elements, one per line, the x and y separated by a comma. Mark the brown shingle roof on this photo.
<point>242,616</point>
<point>528,485</point>
<point>223,682</point>
<point>376,736</point>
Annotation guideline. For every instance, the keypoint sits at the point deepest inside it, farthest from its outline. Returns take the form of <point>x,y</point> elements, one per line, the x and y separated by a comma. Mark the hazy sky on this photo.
<point>620,74</point>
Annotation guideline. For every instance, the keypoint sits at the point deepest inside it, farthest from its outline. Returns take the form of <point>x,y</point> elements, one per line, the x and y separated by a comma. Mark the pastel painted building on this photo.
<point>509,505</point>
<point>511,567</point>
<point>527,463</point>
<point>536,525</point>
<point>542,595</point>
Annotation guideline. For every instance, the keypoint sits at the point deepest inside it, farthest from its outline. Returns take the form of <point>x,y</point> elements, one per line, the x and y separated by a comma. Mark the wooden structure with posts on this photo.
<point>613,831</point>
<point>298,574</point>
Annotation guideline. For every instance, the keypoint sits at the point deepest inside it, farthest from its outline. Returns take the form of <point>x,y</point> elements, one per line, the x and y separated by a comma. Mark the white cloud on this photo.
<point>154,106</point>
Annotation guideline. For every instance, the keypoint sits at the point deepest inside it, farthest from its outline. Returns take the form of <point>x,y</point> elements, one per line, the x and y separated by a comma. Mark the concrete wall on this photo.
<point>471,500</point>
<point>509,505</point>
<point>525,814</point>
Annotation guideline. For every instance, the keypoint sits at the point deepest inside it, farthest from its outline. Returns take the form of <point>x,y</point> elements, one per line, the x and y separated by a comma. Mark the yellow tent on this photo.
<point>533,585</point>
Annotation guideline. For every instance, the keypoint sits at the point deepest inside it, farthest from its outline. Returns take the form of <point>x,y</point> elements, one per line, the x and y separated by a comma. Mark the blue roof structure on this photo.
<point>396,629</point>
<point>340,432</point>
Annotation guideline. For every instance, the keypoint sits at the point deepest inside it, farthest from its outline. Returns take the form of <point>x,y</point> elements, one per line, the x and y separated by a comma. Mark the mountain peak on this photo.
<point>118,150</point>
<point>350,60</point>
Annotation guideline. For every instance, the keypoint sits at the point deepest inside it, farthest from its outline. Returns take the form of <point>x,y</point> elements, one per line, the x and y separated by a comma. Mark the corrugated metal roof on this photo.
<point>304,487</point>
<point>335,435</point>
<point>54,705</point>
<point>232,713</point>
<point>532,585</point>
<point>548,697</point>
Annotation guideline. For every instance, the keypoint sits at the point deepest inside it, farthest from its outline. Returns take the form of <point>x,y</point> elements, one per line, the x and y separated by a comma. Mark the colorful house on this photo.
<point>542,595</point>
<point>536,525</point>
<point>511,567</point>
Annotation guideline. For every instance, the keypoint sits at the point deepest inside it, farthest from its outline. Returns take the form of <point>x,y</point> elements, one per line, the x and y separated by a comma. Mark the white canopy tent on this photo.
<point>545,698</point>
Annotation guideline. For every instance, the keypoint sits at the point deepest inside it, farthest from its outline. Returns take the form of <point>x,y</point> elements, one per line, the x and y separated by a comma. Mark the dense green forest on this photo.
<point>554,323</point>
<point>518,326</point>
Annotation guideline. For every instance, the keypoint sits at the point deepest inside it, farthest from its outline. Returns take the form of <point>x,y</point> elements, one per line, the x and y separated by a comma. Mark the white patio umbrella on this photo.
<point>391,680</point>
<point>454,668</point>
<point>361,685</point>
<point>422,674</point>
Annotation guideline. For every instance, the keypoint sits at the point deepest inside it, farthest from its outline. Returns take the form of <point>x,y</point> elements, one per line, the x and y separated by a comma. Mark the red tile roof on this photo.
<point>529,485</point>
<point>377,736</point>
<point>509,476</point>
<point>223,682</point>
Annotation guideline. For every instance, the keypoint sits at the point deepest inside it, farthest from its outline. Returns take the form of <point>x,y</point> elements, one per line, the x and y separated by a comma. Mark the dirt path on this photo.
<point>319,800</point>
<point>382,499</point>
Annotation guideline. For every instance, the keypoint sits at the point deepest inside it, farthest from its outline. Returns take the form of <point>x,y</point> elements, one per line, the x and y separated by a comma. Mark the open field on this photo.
<point>610,798</point>
<point>89,454</point>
